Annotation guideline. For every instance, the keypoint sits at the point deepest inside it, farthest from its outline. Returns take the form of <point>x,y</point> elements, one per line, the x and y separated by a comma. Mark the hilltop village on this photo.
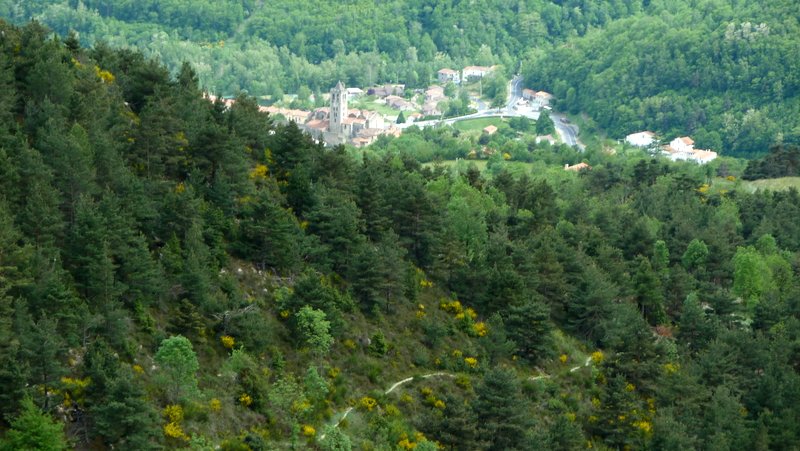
<point>386,110</point>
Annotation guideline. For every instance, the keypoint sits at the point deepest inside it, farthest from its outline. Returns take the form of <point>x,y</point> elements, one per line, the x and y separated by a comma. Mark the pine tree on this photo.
<point>124,419</point>
<point>70,155</point>
<point>500,412</point>
<point>695,329</point>
<point>649,294</point>
<point>335,221</point>
<point>12,372</point>
<point>591,303</point>
<point>270,236</point>
<point>370,199</point>
<point>528,324</point>
<point>43,349</point>
<point>457,427</point>
<point>197,274</point>
<point>39,217</point>
<point>34,430</point>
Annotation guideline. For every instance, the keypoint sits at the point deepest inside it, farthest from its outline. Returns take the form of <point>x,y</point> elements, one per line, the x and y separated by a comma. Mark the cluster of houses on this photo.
<point>469,73</point>
<point>538,100</point>
<point>679,149</point>
<point>337,124</point>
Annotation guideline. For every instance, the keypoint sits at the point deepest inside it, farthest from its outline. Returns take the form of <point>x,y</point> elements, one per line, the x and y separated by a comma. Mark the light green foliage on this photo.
<point>545,125</point>
<point>315,386</point>
<point>378,344</point>
<point>659,93</point>
<point>185,213</point>
<point>335,440</point>
<point>178,367</point>
<point>751,275</point>
<point>696,255</point>
<point>239,361</point>
<point>660,256</point>
<point>34,430</point>
<point>467,209</point>
<point>288,400</point>
<point>314,330</point>
<point>426,445</point>
<point>766,245</point>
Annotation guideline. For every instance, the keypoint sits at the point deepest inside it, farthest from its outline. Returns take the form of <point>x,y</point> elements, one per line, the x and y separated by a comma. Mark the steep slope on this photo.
<point>178,274</point>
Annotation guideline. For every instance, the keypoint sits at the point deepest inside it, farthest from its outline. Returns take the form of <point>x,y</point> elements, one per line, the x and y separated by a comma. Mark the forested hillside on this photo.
<point>278,46</point>
<point>178,274</point>
<point>726,73</point>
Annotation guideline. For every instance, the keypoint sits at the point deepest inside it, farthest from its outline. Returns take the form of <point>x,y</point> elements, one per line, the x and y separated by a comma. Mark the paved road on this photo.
<point>567,132</point>
<point>479,103</point>
<point>514,92</point>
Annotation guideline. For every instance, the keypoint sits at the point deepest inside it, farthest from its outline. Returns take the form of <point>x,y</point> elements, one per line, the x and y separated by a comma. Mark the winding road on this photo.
<point>568,132</point>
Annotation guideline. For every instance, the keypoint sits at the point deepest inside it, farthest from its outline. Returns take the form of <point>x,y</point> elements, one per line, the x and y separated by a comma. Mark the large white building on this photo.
<point>641,139</point>
<point>448,75</point>
<point>476,72</point>
<point>682,148</point>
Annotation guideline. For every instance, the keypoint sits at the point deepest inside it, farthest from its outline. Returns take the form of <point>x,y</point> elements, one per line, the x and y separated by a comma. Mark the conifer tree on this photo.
<point>648,293</point>
<point>34,430</point>
<point>501,418</point>
<point>528,324</point>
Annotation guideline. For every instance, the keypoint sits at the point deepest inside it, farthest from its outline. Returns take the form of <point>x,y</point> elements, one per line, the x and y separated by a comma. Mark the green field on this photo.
<point>517,168</point>
<point>478,124</point>
<point>778,184</point>
<point>379,107</point>
<point>480,164</point>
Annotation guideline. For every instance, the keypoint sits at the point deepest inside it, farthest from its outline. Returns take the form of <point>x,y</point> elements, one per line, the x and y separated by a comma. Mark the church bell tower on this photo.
<point>338,107</point>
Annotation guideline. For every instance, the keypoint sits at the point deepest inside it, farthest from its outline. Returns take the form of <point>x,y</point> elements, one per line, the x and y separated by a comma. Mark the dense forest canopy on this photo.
<point>726,74</point>
<point>178,274</point>
<point>266,46</point>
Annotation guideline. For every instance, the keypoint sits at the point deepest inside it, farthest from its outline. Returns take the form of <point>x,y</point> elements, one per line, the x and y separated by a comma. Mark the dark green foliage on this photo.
<point>457,426</point>
<point>335,220</point>
<point>782,161</point>
<point>125,418</point>
<point>43,351</point>
<point>269,234</point>
<point>528,325</point>
<point>649,293</point>
<point>501,418</point>
<point>544,125</point>
<point>673,72</point>
<point>133,209</point>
